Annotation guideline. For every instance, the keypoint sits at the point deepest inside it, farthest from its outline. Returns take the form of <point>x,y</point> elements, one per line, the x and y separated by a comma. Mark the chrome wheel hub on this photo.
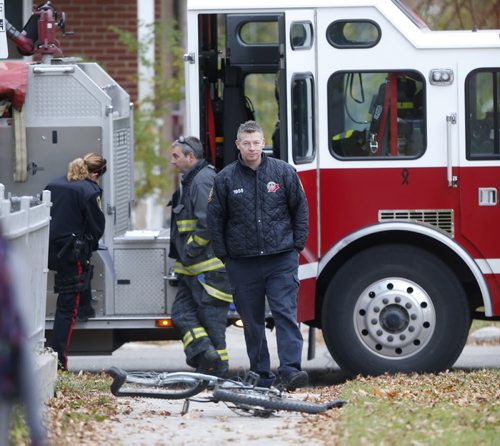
<point>394,318</point>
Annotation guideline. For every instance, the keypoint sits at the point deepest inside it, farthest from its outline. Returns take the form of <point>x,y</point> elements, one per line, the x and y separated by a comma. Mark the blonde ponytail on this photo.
<point>81,168</point>
<point>77,170</point>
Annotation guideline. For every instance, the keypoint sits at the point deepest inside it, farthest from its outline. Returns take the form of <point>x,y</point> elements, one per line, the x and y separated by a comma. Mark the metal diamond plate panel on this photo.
<point>64,98</point>
<point>140,285</point>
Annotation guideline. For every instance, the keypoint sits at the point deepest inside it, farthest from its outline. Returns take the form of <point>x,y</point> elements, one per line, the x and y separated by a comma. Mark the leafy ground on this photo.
<point>451,408</point>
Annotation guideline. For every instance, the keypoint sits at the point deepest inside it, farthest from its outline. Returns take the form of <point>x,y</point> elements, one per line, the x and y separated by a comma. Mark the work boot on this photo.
<point>208,362</point>
<point>221,369</point>
<point>294,380</point>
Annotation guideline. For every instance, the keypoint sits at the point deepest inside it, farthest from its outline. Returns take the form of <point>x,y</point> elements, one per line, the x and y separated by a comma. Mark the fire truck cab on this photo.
<point>394,130</point>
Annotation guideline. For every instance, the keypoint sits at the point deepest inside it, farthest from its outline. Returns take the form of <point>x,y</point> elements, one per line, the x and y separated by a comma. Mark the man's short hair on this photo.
<point>249,127</point>
<point>189,144</point>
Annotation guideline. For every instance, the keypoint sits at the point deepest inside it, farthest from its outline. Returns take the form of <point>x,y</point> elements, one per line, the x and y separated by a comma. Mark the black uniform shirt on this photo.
<point>76,209</point>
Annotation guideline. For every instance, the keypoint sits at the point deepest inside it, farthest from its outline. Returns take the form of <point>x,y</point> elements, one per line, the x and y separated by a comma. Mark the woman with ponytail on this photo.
<point>76,226</point>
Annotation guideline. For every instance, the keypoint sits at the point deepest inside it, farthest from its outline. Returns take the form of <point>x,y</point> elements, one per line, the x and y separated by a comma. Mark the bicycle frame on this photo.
<point>244,396</point>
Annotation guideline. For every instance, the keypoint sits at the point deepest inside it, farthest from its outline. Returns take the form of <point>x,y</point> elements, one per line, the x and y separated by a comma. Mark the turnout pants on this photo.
<point>201,318</point>
<point>274,276</point>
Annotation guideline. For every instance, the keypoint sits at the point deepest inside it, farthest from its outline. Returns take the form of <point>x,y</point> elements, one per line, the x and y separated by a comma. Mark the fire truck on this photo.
<point>394,130</point>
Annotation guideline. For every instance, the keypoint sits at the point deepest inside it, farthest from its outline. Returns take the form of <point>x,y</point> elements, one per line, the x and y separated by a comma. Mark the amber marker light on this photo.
<point>164,323</point>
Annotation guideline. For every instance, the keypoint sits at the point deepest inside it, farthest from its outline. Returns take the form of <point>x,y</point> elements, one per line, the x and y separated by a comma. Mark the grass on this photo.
<point>450,408</point>
<point>82,401</point>
<point>477,324</point>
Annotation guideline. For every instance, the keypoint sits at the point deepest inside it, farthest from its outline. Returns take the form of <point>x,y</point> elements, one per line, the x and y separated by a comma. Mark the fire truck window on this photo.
<point>483,114</point>
<point>353,34</point>
<point>259,33</point>
<point>259,91</point>
<point>301,35</point>
<point>376,115</point>
<point>303,144</point>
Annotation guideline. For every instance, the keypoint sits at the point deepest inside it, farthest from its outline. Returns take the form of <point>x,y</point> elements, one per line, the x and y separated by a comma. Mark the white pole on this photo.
<point>145,89</point>
<point>145,18</point>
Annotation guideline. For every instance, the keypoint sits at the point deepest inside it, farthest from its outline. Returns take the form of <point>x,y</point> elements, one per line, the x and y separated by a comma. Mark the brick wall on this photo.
<point>94,41</point>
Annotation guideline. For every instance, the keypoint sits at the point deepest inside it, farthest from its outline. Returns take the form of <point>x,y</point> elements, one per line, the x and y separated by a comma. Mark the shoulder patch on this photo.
<point>211,194</point>
<point>98,200</point>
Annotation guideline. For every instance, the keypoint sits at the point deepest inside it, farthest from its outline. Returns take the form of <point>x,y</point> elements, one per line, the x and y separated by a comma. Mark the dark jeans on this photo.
<point>274,276</point>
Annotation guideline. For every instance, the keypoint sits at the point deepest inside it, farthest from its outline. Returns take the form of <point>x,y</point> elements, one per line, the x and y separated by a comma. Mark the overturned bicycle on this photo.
<point>244,397</point>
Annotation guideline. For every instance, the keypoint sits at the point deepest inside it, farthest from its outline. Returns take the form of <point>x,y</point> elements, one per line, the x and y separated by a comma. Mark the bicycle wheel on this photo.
<point>260,398</point>
<point>155,385</point>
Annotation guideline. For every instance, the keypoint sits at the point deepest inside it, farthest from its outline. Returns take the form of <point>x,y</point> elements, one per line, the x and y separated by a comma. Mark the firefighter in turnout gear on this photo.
<point>201,304</point>
<point>77,224</point>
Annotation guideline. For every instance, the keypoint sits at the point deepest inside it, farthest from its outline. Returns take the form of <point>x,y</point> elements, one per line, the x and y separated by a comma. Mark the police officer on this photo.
<point>258,217</point>
<point>76,226</point>
<point>201,304</point>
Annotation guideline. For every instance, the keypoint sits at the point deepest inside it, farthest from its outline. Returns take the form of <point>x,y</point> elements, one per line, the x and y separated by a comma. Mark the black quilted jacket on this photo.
<point>257,212</point>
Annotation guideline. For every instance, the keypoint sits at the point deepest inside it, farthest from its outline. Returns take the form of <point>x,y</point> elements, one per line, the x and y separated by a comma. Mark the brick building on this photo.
<point>93,40</point>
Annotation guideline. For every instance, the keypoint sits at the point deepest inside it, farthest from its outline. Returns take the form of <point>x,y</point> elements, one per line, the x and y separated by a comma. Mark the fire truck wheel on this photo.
<point>395,308</point>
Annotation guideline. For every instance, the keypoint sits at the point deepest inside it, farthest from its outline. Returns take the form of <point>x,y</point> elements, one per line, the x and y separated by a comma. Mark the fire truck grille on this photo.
<point>439,218</point>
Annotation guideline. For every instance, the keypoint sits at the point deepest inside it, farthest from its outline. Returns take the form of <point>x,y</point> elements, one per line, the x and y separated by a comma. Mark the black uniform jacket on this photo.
<point>189,232</point>
<point>76,209</point>
<point>257,212</point>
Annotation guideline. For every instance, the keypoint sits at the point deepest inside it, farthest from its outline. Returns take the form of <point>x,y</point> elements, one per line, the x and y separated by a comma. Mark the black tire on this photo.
<point>252,398</point>
<point>150,385</point>
<point>395,308</point>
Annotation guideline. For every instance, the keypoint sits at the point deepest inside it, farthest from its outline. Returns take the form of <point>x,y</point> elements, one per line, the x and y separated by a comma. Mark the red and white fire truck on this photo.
<point>394,130</point>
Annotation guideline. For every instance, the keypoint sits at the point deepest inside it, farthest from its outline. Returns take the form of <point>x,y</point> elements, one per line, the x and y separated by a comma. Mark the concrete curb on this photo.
<point>45,365</point>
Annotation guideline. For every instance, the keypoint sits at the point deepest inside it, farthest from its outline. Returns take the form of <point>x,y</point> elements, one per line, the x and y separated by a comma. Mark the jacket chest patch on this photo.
<point>238,191</point>
<point>272,186</point>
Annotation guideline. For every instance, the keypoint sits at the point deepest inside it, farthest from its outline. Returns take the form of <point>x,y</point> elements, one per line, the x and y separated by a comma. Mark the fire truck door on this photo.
<point>301,81</point>
<point>479,172</point>
<point>254,51</point>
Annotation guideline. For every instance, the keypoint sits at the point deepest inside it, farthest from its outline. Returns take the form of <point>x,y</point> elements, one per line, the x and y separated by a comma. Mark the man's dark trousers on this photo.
<point>274,276</point>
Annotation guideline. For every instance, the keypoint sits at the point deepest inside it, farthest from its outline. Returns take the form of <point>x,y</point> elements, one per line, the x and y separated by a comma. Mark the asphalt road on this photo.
<point>169,356</point>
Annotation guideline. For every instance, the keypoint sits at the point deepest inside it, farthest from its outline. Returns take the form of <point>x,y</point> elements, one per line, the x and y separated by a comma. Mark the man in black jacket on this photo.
<point>258,218</point>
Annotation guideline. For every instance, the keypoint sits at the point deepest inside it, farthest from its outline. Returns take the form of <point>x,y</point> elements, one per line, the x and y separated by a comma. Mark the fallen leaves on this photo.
<point>459,407</point>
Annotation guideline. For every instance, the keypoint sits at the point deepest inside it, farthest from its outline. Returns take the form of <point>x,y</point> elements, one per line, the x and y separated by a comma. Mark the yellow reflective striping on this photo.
<point>186,225</point>
<point>191,335</point>
<point>214,292</point>
<point>200,240</point>
<point>199,332</point>
<point>187,339</point>
<point>181,269</point>
<point>223,354</point>
<point>198,268</point>
<point>405,105</point>
<point>343,135</point>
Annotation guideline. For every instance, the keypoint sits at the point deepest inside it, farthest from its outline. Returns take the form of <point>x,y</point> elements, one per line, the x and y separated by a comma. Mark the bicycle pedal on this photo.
<point>252,378</point>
